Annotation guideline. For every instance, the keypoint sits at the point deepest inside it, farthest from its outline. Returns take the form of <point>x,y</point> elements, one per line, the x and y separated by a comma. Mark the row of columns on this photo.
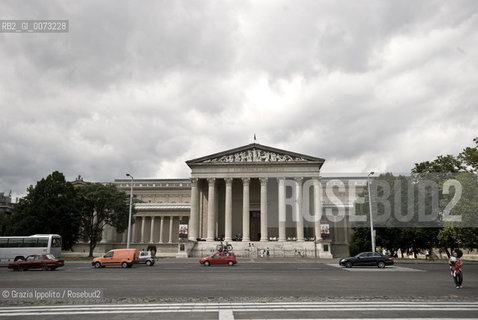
<point>161,229</point>
<point>194,217</point>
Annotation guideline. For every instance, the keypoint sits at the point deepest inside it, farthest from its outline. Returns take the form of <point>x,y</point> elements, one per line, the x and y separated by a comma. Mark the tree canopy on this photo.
<point>457,195</point>
<point>101,205</point>
<point>49,207</point>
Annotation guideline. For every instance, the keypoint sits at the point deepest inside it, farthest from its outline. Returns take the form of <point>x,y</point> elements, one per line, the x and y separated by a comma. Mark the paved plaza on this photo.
<point>252,289</point>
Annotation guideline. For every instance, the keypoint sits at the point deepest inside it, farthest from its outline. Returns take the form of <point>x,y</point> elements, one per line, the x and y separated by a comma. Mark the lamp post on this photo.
<point>371,215</point>
<point>130,209</point>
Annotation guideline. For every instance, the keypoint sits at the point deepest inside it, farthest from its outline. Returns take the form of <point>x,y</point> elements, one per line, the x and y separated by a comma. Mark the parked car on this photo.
<point>37,261</point>
<point>367,259</point>
<point>146,257</point>
<point>220,258</point>
<point>117,257</point>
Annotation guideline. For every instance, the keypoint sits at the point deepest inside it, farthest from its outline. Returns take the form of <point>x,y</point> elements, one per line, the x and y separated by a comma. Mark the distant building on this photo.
<point>6,205</point>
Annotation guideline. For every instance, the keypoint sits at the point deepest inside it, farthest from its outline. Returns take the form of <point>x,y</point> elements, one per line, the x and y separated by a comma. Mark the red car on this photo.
<point>219,258</point>
<point>37,261</point>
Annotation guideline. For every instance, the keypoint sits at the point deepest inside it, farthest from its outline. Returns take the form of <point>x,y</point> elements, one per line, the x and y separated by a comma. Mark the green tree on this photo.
<point>395,213</point>
<point>101,205</point>
<point>469,156</point>
<point>360,240</point>
<point>5,224</point>
<point>464,232</point>
<point>442,164</point>
<point>49,207</point>
<point>463,168</point>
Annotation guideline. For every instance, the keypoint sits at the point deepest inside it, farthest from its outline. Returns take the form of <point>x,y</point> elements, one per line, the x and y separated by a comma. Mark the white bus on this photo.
<point>14,248</point>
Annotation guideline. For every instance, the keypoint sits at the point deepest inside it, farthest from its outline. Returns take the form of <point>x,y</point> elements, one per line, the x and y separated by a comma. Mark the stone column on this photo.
<point>282,215</point>
<point>143,218</point>
<point>133,230</point>
<point>201,215</point>
<point>346,230</point>
<point>317,208</point>
<point>171,220</point>
<point>245,210</point>
<point>104,234</point>
<point>151,237</point>
<point>211,214</point>
<point>298,209</point>
<point>264,236</point>
<point>228,217</point>
<point>161,230</point>
<point>194,218</point>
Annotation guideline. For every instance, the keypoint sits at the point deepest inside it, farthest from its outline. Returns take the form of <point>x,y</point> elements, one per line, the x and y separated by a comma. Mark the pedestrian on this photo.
<point>267,252</point>
<point>427,254</point>
<point>384,251</point>
<point>262,253</point>
<point>455,269</point>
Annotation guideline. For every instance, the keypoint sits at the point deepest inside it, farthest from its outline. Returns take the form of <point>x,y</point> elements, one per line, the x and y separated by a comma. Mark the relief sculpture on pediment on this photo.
<point>255,155</point>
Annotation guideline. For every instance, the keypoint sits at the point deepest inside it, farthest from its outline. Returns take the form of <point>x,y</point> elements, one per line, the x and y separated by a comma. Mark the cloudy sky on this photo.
<point>143,86</point>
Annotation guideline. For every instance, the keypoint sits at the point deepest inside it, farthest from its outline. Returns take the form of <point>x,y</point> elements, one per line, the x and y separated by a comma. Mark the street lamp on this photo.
<point>130,208</point>
<point>371,215</point>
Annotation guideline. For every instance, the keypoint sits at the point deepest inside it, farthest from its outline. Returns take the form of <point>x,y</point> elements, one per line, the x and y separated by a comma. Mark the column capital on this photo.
<point>211,180</point>
<point>194,180</point>
<point>228,180</point>
<point>263,181</point>
<point>299,179</point>
<point>246,180</point>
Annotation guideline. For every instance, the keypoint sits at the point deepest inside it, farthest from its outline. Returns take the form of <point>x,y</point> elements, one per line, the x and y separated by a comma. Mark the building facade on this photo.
<point>255,197</point>
<point>6,205</point>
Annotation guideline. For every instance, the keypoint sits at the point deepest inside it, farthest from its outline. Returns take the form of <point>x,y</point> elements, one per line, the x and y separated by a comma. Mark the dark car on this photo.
<point>220,258</point>
<point>367,259</point>
<point>37,261</point>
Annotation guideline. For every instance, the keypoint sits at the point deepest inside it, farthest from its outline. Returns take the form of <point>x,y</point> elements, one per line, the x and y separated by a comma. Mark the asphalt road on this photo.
<point>273,281</point>
<point>188,279</point>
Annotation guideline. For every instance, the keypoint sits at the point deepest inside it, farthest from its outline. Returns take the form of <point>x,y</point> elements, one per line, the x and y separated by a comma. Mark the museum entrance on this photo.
<point>255,225</point>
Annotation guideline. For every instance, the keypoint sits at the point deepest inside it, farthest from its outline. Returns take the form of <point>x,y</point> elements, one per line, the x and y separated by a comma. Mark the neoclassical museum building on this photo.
<point>254,197</point>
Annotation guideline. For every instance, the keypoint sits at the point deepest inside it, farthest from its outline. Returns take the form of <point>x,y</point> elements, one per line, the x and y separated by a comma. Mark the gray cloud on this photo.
<point>141,87</point>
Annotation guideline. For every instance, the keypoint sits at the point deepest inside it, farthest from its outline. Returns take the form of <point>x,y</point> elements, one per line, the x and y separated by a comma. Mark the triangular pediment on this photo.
<point>255,153</point>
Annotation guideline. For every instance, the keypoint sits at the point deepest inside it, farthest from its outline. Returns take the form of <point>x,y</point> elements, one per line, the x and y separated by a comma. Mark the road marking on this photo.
<point>226,309</point>
<point>226,315</point>
<point>375,269</point>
